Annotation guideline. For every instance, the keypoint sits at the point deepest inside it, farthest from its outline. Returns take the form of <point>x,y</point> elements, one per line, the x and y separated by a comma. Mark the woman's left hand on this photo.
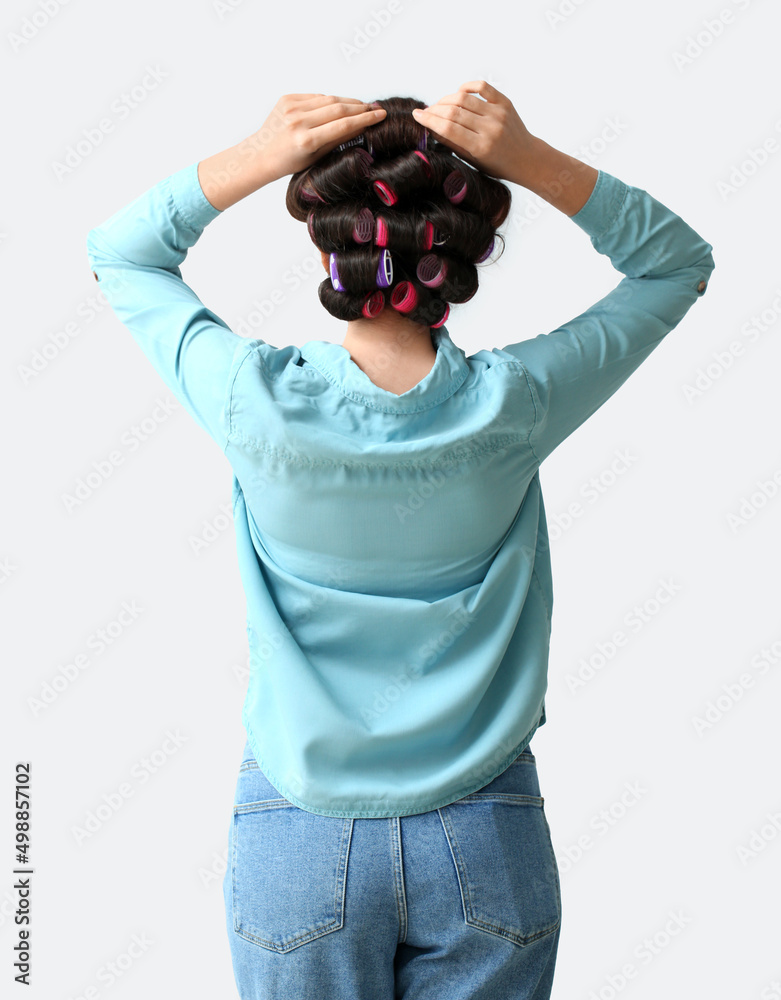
<point>303,127</point>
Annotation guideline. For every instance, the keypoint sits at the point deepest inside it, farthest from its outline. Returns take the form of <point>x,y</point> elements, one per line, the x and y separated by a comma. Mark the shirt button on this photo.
<point>702,286</point>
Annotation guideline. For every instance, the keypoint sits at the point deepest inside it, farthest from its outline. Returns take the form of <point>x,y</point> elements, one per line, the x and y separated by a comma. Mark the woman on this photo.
<point>388,835</point>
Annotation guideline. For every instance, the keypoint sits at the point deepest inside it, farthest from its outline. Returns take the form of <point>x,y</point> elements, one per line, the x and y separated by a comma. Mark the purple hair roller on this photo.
<point>455,186</point>
<point>385,270</point>
<point>423,141</point>
<point>338,286</point>
<point>364,227</point>
<point>431,270</point>
<point>487,254</point>
<point>357,141</point>
<point>365,161</point>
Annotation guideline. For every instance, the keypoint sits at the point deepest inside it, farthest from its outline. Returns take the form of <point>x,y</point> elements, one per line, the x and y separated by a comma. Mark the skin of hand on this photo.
<point>300,129</point>
<point>486,131</point>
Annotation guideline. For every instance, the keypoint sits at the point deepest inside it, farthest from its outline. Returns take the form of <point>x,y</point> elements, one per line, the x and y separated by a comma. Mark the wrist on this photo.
<point>560,179</point>
<point>235,173</point>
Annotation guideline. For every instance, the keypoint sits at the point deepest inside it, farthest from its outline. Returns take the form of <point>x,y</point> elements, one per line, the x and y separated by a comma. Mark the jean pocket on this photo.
<point>505,864</point>
<point>288,867</point>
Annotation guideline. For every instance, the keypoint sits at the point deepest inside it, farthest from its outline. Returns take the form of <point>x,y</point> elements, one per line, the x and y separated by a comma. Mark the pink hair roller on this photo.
<point>426,163</point>
<point>364,227</point>
<point>431,270</point>
<point>384,193</point>
<point>441,322</point>
<point>309,194</point>
<point>428,238</point>
<point>373,304</point>
<point>404,297</point>
<point>455,186</point>
<point>381,239</point>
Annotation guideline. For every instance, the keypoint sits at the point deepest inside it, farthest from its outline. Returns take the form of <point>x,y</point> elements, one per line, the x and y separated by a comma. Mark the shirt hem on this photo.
<point>407,808</point>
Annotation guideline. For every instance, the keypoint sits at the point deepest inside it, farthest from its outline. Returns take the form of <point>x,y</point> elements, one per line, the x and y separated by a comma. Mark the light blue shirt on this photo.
<point>393,549</point>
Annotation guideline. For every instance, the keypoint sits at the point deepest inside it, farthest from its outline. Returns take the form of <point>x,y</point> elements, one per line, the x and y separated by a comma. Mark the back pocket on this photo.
<point>288,867</point>
<point>506,867</point>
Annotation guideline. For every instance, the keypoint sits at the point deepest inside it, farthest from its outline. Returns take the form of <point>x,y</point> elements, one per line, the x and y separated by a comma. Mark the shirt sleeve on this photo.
<point>575,368</point>
<point>135,255</point>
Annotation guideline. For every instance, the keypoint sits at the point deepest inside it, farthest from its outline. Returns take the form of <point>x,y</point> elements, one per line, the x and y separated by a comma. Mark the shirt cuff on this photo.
<point>603,205</point>
<point>191,203</point>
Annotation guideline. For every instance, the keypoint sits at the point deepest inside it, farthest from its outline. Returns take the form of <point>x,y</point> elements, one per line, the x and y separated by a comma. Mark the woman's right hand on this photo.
<point>488,134</point>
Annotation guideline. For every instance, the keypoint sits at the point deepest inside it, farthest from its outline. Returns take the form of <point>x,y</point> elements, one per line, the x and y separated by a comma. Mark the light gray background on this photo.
<point>154,868</point>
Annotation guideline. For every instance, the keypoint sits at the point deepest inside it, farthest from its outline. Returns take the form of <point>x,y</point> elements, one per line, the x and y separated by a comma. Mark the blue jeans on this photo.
<point>462,902</point>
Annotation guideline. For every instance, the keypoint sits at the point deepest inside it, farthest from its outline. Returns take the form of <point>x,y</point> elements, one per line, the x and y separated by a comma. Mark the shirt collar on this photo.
<point>448,372</point>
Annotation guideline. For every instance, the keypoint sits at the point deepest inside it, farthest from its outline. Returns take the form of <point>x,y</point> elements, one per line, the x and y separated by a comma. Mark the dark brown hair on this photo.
<point>333,195</point>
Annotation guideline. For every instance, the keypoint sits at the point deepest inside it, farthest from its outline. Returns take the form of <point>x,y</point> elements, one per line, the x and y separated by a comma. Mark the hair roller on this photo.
<point>379,204</point>
<point>453,279</point>
<point>373,304</point>
<point>477,193</point>
<point>336,227</point>
<point>404,297</point>
<point>406,232</point>
<point>361,269</point>
<point>408,175</point>
<point>467,235</point>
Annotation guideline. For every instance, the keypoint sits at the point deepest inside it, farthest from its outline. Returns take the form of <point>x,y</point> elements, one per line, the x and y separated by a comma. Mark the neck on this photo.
<point>389,343</point>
